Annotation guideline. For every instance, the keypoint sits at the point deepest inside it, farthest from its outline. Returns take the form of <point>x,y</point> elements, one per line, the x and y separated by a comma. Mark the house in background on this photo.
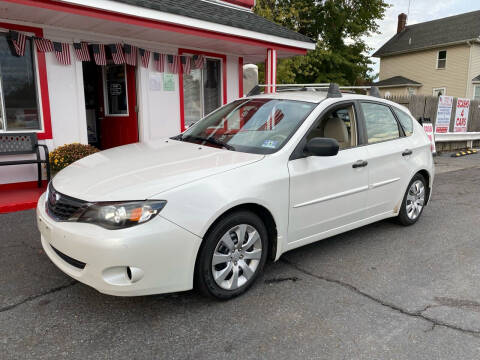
<point>116,104</point>
<point>432,58</point>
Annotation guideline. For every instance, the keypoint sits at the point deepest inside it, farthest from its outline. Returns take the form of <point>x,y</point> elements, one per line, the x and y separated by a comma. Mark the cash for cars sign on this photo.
<point>428,127</point>
<point>444,113</point>
<point>461,115</point>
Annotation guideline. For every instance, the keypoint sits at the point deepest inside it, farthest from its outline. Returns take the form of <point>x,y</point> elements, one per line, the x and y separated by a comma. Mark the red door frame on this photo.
<point>180,79</point>
<point>120,130</point>
<point>46,133</point>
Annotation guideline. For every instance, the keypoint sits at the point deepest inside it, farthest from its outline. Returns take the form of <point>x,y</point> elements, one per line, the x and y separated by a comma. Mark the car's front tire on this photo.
<point>413,201</point>
<point>232,256</point>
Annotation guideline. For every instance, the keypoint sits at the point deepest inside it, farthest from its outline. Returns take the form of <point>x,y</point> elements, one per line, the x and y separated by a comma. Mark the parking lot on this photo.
<point>379,292</point>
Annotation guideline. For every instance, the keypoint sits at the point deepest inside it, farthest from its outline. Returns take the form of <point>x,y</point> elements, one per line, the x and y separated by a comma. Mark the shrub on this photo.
<point>65,155</point>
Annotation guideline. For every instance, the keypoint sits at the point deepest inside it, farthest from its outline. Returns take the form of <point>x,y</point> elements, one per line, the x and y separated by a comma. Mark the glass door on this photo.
<point>202,91</point>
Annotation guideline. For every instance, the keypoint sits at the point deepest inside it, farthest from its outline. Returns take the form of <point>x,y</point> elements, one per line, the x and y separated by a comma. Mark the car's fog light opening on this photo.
<point>134,274</point>
<point>122,275</point>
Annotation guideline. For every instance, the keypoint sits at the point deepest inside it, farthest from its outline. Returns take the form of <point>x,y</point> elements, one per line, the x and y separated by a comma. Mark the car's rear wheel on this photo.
<point>233,255</point>
<point>413,201</point>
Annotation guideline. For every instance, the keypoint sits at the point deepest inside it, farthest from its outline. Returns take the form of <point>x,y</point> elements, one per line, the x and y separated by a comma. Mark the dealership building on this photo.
<point>110,72</point>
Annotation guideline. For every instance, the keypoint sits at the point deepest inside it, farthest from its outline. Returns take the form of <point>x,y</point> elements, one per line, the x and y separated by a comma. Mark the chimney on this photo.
<point>402,22</point>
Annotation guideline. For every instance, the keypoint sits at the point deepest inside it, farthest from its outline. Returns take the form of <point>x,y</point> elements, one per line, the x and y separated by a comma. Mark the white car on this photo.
<point>258,177</point>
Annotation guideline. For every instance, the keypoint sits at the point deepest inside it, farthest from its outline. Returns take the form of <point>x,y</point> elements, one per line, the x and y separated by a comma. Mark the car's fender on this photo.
<point>195,206</point>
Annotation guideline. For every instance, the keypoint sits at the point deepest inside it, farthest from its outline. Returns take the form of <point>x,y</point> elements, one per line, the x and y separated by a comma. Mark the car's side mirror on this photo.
<point>322,147</point>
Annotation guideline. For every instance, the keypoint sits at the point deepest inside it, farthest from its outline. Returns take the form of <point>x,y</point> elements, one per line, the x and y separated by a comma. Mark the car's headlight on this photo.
<point>120,215</point>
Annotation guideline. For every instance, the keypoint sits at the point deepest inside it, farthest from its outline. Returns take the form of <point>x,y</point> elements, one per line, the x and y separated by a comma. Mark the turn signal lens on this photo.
<point>122,215</point>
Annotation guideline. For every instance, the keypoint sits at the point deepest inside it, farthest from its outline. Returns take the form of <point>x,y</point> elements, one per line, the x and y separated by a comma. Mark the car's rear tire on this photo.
<point>413,201</point>
<point>227,264</point>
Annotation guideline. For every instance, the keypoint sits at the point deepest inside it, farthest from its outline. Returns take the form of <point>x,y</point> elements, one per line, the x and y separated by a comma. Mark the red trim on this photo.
<point>180,79</point>
<point>245,3</point>
<point>155,24</point>
<point>240,77</point>
<point>42,75</point>
<point>21,185</point>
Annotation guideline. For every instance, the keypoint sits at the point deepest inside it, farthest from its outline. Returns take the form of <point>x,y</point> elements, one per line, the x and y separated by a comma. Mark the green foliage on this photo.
<point>339,27</point>
<point>65,155</point>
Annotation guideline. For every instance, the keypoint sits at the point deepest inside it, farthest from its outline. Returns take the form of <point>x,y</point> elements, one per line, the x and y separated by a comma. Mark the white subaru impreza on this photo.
<point>258,177</point>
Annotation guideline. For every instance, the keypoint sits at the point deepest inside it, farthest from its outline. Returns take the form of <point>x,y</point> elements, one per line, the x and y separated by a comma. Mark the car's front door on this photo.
<point>328,193</point>
<point>389,158</point>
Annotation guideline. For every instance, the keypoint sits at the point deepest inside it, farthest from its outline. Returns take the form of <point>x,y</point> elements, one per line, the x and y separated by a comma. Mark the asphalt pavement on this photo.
<point>379,292</point>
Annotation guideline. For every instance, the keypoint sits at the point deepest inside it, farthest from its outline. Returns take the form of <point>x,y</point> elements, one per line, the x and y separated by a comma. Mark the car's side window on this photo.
<point>380,123</point>
<point>339,124</point>
<point>405,121</point>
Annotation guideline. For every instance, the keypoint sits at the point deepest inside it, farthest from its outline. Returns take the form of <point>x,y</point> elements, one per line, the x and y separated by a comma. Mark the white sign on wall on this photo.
<point>461,115</point>
<point>428,127</point>
<point>155,81</point>
<point>444,113</point>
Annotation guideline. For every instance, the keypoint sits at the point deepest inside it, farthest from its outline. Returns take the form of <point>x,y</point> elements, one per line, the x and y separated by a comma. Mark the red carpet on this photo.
<point>20,196</point>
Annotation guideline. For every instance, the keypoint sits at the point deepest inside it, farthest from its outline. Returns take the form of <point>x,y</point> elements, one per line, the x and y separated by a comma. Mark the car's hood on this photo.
<point>140,171</point>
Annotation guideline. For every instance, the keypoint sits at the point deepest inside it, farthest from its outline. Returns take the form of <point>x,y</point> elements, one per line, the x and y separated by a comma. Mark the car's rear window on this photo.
<point>405,121</point>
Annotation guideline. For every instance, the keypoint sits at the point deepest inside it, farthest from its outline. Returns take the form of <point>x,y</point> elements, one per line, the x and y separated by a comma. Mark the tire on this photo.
<point>225,268</point>
<point>413,201</point>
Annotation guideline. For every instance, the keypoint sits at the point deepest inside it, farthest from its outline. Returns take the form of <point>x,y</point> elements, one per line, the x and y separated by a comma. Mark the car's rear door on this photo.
<point>328,193</point>
<point>389,154</point>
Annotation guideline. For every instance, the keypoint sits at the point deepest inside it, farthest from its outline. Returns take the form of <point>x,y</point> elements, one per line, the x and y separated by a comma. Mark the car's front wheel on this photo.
<point>413,201</point>
<point>233,255</point>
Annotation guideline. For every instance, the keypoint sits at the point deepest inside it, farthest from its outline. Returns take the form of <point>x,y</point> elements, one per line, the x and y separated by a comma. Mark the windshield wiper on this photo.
<point>208,140</point>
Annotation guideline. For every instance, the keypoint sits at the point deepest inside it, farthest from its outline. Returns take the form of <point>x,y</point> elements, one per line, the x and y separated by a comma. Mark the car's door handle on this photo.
<point>360,163</point>
<point>407,152</point>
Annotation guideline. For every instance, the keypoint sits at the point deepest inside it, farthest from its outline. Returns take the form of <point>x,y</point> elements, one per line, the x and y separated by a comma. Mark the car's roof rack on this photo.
<point>333,90</point>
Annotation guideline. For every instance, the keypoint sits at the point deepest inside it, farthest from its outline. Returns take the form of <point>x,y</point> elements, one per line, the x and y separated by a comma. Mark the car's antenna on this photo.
<point>374,91</point>
<point>334,91</point>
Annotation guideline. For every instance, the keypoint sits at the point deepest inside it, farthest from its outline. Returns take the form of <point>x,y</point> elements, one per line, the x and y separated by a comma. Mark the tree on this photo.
<point>338,26</point>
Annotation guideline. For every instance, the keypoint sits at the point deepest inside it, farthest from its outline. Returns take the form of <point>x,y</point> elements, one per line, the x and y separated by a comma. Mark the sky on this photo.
<point>420,11</point>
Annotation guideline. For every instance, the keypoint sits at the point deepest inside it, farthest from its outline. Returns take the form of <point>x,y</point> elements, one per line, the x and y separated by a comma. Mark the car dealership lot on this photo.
<point>382,291</point>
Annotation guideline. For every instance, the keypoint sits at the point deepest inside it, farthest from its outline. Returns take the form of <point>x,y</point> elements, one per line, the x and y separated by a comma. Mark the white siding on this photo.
<point>232,78</point>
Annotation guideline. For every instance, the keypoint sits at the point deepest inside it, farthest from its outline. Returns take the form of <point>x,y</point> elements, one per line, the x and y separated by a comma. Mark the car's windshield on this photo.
<point>260,126</point>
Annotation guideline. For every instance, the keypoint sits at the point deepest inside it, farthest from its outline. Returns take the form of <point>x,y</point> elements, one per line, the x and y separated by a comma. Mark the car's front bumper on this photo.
<point>160,254</point>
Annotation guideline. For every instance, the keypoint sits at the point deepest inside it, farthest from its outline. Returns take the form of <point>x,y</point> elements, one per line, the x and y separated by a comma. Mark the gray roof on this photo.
<point>476,79</point>
<point>224,15</point>
<point>396,81</point>
<point>434,33</point>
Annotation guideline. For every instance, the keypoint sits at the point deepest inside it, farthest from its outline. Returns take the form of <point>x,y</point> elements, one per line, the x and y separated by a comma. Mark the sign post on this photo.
<point>444,113</point>
<point>461,115</point>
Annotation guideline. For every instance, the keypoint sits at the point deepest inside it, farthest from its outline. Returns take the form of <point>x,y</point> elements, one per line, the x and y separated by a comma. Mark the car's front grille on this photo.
<point>74,262</point>
<point>62,207</point>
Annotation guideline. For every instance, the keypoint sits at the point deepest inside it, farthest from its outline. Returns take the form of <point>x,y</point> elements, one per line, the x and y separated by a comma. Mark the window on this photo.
<point>442,59</point>
<point>439,91</point>
<point>259,126</point>
<point>380,123</point>
<point>202,91</point>
<point>411,91</point>
<point>115,89</point>
<point>405,121</point>
<point>19,109</point>
<point>338,124</point>
<point>476,92</point>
